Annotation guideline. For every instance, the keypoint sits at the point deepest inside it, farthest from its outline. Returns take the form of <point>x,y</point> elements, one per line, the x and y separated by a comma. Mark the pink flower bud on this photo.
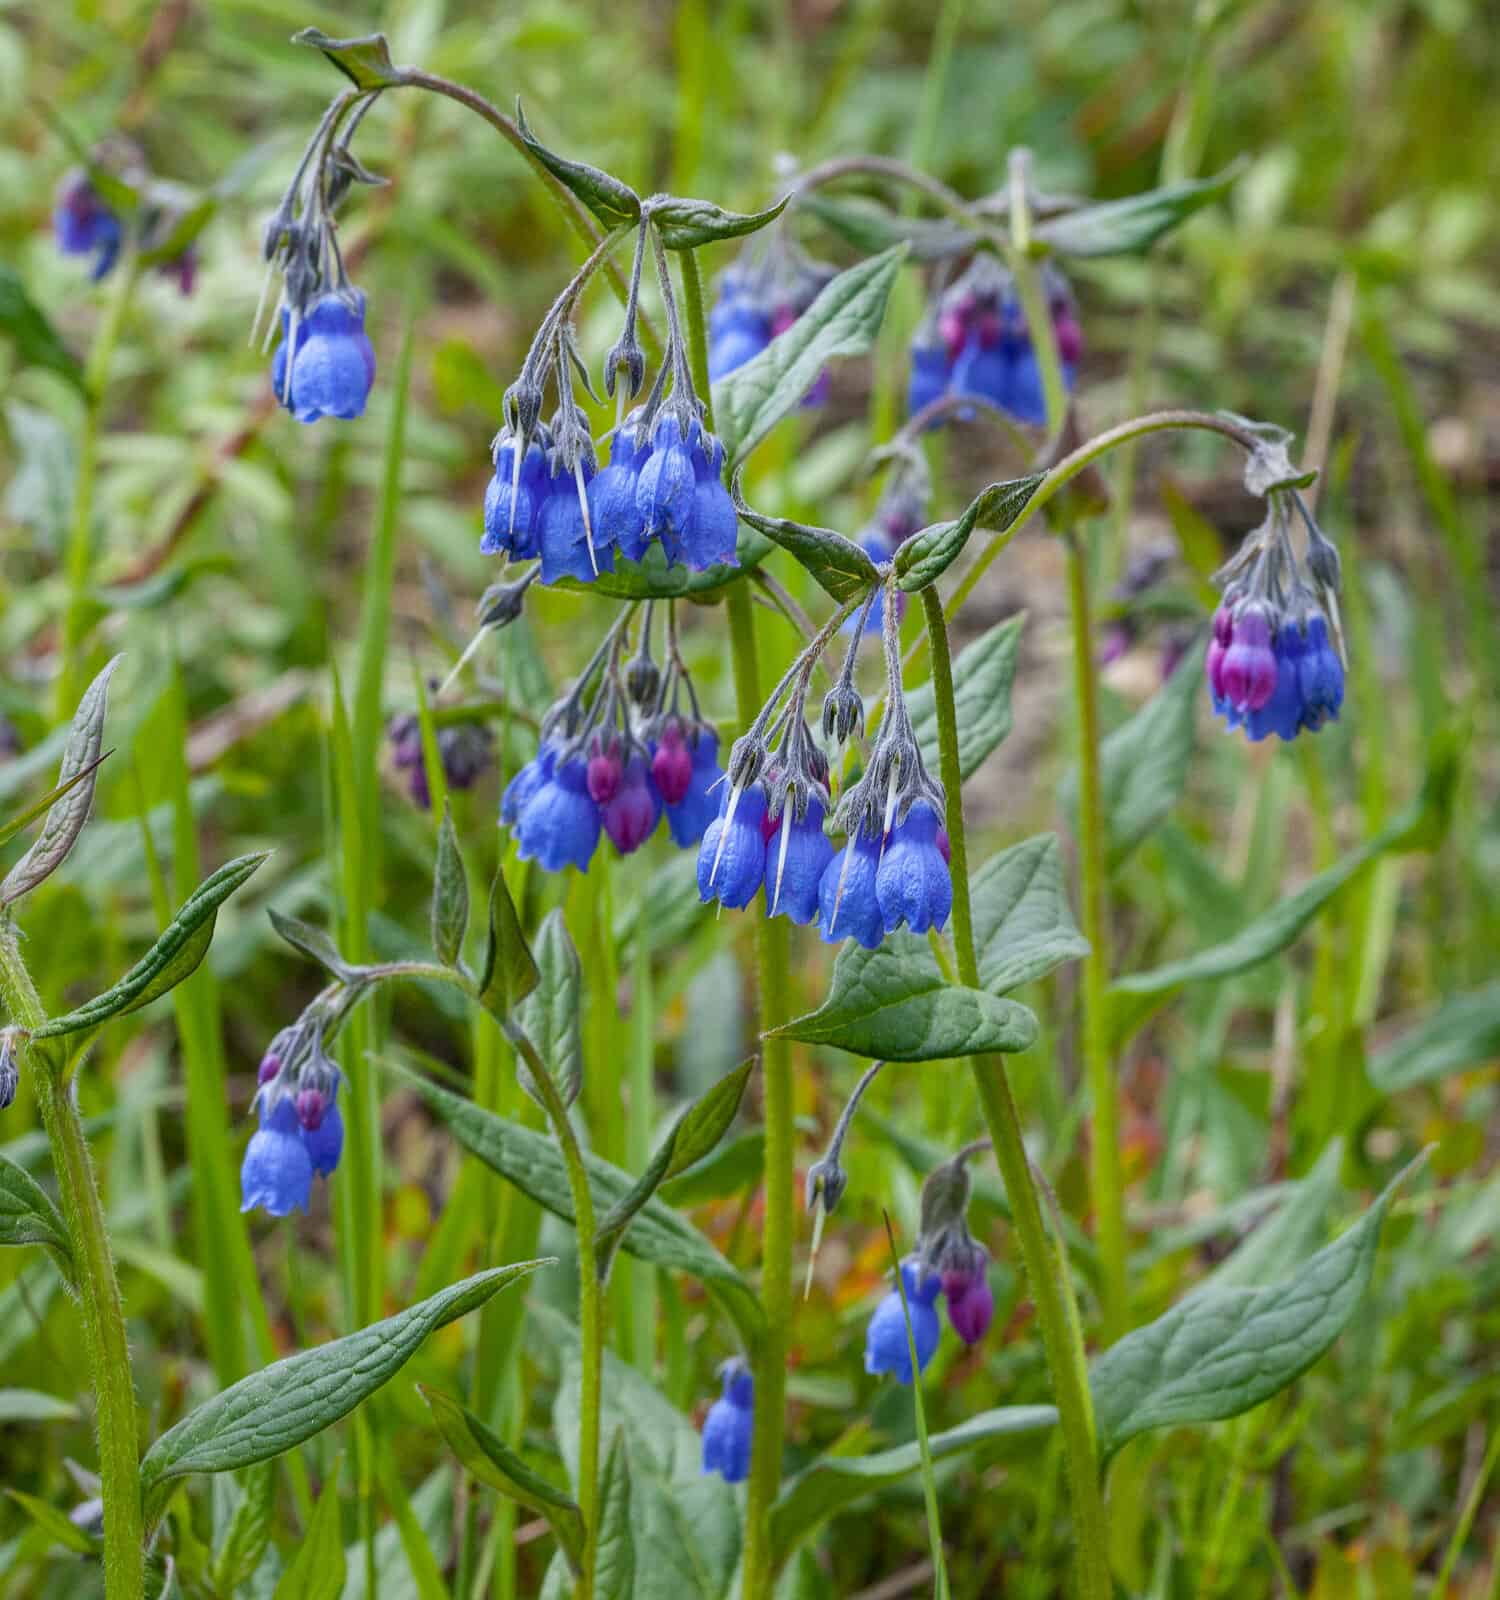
<point>311,1108</point>
<point>270,1065</point>
<point>970,1302</point>
<point>603,776</point>
<point>672,766</point>
<point>1248,670</point>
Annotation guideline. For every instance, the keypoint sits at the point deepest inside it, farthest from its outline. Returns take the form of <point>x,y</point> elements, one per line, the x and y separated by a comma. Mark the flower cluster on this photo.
<point>301,1131</point>
<point>618,752</point>
<point>465,749</point>
<point>730,1422</point>
<point>974,342</point>
<point>948,1262</point>
<point>901,513</point>
<point>1275,662</point>
<point>761,296</point>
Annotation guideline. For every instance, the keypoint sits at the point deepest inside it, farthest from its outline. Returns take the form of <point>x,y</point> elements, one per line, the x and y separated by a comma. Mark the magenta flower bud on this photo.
<point>1248,670</point>
<point>630,817</point>
<point>672,766</point>
<point>1223,626</point>
<point>944,848</point>
<point>970,1303</point>
<point>270,1065</point>
<point>604,773</point>
<point>311,1109</point>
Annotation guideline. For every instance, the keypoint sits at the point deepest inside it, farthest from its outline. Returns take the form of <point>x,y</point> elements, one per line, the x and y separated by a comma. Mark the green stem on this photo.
<point>590,1304</point>
<point>98,1289</point>
<point>80,550</point>
<point>1106,1178</point>
<point>1049,1283</point>
<point>772,957</point>
<point>692,307</point>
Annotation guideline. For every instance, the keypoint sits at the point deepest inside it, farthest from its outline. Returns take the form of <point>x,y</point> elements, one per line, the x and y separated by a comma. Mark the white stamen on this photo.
<point>583,506</point>
<point>734,800</point>
<point>785,831</point>
<point>838,896</point>
<point>294,322</point>
<point>515,483</point>
<point>819,1215</point>
<point>459,665</point>
<point>260,305</point>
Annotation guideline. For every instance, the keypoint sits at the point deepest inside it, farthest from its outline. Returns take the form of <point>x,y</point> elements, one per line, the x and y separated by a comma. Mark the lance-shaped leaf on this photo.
<point>691,1137</point>
<point>36,340</point>
<point>833,1482</point>
<point>685,224</point>
<point>619,1558</point>
<point>550,1014</point>
<point>894,1002</point>
<point>182,944</point>
<point>365,61</point>
<point>1462,1032</point>
<point>1222,1351</point>
<point>532,1162</point>
<point>28,1216</point>
<point>982,678</point>
<point>870,227</point>
<point>923,558</point>
<point>319,1568</point>
<point>1132,225</point>
<point>508,973</point>
<point>1023,924</point>
<point>277,1408</point>
<point>842,321</point>
<point>314,943</point>
<point>610,200</point>
<point>488,1458</point>
<point>70,811</point>
<point>450,894</point>
<point>843,568</point>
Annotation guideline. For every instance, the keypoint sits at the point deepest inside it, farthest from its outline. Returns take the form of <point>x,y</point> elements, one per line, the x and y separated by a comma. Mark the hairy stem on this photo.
<point>1044,1270</point>
<point>98,1289</point>
<point>1106,1174</point>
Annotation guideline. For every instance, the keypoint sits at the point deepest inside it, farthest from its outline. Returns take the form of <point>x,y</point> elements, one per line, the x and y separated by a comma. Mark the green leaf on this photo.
<point>509,972</point>
<point>1224,1350</point>
<point>550,1015</point>
<point>312,942</point>
<point>1293,1230</point>
<point>182,944</point>
<point>833,1482</point>
<point>870,227</point>
<point>616,1560</point>
<point>365,61</point>
<point>534,1164</point>
<point>31,1405</point>
<point>982,679</point>
<point>36,340</point>
<point>488,1458</point>
<point>692,1136</point>
<point>249,1530</point>
<point>28,1216</point>
<point>55,1524</point>
<point>275,1409</point>
<point>1460,1033</point>
<point>13,825</point>
<point>842,321</point>
<point>685,224</point>
<point>1023,924</point>
<point>922,559</point>
<point>450,894</point>
<point>840,566</point>
<point>894,1002</point>
<point>1143,764</point>
<point>318,1569</point>
<point>655,578</point>
<point>75,779</point>
<point>1131,226</point>
<point>610,200</point>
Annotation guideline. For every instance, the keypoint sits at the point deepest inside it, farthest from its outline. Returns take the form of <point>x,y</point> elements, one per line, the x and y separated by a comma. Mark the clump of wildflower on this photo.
<point>730,1422</point>
<point>760,296</point>
<point>465,750</point>
<point>1275,661</point>
<point>974,342</point>
<point>301,1130</point>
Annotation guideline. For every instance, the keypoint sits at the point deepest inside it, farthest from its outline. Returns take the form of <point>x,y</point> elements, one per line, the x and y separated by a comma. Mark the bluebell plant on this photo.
<point>727,1427</point>
<point>773,282</point>
<point>300,1132</point>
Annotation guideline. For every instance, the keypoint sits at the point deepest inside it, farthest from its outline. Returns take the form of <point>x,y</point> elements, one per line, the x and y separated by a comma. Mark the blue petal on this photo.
<point>727,1431</point>
<point>325,1143</point>
<point>808,853</point>
<point>854,914</point>
<point>276,1173</point>
<point>691,816</point>
<point>913,884</point>
<point>733,877</point>
<point>559,826</point>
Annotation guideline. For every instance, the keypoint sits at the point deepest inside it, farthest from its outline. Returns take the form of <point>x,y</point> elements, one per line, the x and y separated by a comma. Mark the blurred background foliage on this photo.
<point>1347,289</point>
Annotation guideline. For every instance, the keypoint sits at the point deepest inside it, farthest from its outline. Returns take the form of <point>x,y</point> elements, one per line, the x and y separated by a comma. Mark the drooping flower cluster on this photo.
<point>464,748</point>
<point>663,482</point>
<point>84,223</point>
<point>760,296</point>
<point>1275,662</point>
<point>730,1422</point>
<point>324,365</point>
<point>301,1131</point>
<point>948,1262</point>
<point>618,752</point>
<point>974,342</point>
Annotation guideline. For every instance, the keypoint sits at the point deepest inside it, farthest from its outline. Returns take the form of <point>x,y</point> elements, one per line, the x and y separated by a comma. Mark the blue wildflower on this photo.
<point>1320,677</point>
<point>886,1347</point>
<point>732,857</point>
<point>711,537</point>
<point>729,1425</point>
<point>277,1171</point>
<point>738,331</point>
<point>1282,712</point>
<point>513,501</point>
<point>847,904</point>
<point>332,362</point>
<point>531,777</point>
<point>797,856</point>
<point>322,1128</point>
<point>617,521</point>
<point>687,774</point>
<point>929,376</point>
<point>559,824</point>
<point>665,489</point>
<point>566,540</point>
<point>84,224</point>
<point>913,884</point>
